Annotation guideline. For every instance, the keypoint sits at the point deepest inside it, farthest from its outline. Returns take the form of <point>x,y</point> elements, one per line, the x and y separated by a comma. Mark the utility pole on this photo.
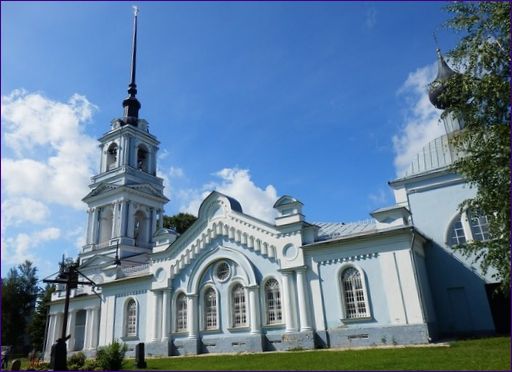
<point>68,275</point>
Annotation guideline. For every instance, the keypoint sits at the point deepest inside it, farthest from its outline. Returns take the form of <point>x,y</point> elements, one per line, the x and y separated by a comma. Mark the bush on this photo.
<point>76,361</point>
<point>90,365</point>
<point>111,357</point>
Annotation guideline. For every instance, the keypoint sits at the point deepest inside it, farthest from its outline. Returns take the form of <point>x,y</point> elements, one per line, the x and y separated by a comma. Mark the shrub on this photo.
<point>90,365</point>
<point>76,361</point>
<point>111,357</point>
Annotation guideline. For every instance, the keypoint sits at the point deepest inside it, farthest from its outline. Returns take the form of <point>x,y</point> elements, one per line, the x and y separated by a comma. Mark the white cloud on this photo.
<point>54,158</point>
<point>22,247</point>
<point>18,210</point>
<point>238,184</point>
<point>421,122</point>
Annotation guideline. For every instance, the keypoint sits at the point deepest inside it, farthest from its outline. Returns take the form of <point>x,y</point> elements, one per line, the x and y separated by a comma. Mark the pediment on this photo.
<point>216,220</point>
<point>101,189</point>
<point>146,189</point>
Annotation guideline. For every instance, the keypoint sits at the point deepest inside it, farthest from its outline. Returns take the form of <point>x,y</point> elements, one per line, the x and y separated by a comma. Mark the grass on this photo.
<point>478,354</point>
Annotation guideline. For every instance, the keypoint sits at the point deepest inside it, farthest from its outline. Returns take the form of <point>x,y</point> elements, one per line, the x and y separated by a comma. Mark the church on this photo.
<point>235,283</point>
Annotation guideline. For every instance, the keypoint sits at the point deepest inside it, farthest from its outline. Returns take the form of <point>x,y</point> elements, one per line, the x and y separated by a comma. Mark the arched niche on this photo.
<point>112,154</point>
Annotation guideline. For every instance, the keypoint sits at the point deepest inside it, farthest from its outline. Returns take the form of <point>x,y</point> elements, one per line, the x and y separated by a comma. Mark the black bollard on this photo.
<point>139,355</point>
<point>59,356</point>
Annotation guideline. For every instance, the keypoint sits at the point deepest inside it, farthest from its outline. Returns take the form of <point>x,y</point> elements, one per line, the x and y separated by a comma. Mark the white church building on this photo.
<point>235,283</point>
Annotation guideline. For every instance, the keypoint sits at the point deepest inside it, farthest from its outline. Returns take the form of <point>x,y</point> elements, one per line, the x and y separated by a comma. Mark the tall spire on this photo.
<point>131,104</point>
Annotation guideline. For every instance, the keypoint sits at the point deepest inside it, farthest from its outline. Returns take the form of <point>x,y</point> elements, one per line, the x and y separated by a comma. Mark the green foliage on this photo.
<point>90,365</point>
<point>37,326</point>
<point>481,354</point>
<point>483,58</point>
<point>180,222</point>
<point>111,357</point>
<point>19,294</point>
<point>76,361</point>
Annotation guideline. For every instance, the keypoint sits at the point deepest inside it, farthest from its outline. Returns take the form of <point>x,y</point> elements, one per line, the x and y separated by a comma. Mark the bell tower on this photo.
<point>126,200</point>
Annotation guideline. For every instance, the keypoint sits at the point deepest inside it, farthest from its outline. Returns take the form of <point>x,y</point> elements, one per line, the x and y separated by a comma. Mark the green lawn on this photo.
<point>479,354</point>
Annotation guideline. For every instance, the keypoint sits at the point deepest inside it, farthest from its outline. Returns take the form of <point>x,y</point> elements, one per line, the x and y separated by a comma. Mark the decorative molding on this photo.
<point>132,293</point>
<point>358,257</point>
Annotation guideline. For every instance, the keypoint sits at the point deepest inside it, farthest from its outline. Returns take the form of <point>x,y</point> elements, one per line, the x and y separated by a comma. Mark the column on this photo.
<point>152,224</point>
<point>115,217</point>
<point>59,318</point>
<point>288,308</point>
<point>102,160</point>
<point>97,225</point>
<point>192,316</point>
<point>87,330</point>
<point>95,325</point>
<point>93,226</point>
<point>70,329</point>
<point>302,300</point>
<point>156,316</point>
<point>254,303</point>
<point>50,335</point>
<point>122,217</point>
<point>88,234</point>
<point>166,305</point>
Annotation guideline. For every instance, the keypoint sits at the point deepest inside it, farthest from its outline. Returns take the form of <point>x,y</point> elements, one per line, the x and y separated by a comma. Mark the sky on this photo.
<point>323,101</point>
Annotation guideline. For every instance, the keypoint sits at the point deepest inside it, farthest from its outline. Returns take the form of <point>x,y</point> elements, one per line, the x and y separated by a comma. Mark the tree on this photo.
<point>19,294</point>
<point>37,327</point>
<point>180,222</point>
<point>483,89</point>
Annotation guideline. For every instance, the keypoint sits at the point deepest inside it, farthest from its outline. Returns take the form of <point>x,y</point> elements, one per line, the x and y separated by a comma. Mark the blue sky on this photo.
<point>322,101</point>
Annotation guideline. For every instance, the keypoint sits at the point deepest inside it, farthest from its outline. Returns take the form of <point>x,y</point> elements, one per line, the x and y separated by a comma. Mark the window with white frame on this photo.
<point>456,233</point>
<point>468,226</point>
<point>181,313</point>
<point>210,309</point>
<point>131,318</point>
<point>273,302</point>
<point>238,305</point>
<point>353,294</point>
<point>479,226</point>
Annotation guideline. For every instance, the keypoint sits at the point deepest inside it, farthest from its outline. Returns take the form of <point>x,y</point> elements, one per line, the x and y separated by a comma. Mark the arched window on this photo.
<point>181,313</point>
<point>353,294</point>
<point>112,156</point>
<point>238,304</point>
<point>210,309</point>
<point>131,318</point>
<point>142,159</point>
<point>456,233</point>
<point>479,226</point>
<point>273,302</point>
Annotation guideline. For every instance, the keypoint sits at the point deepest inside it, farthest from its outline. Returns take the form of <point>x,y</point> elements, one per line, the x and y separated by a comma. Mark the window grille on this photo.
<point>131,318</point>
<point>239,313</point>
<point>273,302</point>
<point>355,304</point>
<point>181,313</point>
<point>210,304</point>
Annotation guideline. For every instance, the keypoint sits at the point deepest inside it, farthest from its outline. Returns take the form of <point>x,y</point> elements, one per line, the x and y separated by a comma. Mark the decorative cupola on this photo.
<point>289,210</point>
<point>131,104</point>
<point>439,96</point>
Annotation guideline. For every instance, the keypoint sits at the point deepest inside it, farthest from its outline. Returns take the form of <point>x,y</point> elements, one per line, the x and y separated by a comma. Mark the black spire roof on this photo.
<point>131,104</point>
<point>438,86</point>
